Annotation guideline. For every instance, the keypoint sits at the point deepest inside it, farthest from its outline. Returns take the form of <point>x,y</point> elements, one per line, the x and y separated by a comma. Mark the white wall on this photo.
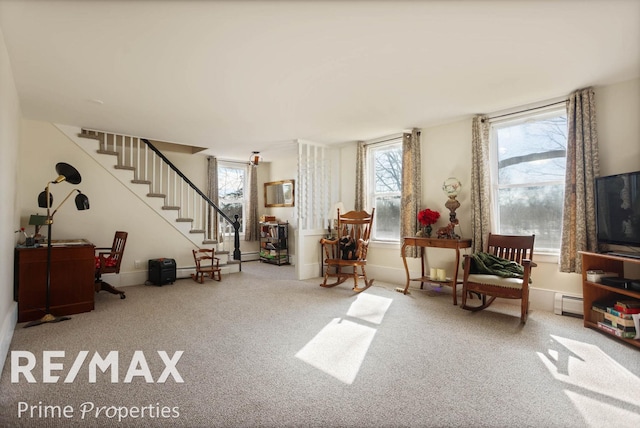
<point>9,141</point>
<point>618,112</point>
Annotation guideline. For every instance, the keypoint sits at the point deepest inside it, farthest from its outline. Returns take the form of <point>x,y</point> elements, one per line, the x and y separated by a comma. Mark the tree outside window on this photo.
<point>231,195</point>
<point>530,158</point>
<point>385,166</point>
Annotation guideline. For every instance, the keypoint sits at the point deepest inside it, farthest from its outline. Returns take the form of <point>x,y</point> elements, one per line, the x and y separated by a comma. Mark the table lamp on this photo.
<point>451,188</point>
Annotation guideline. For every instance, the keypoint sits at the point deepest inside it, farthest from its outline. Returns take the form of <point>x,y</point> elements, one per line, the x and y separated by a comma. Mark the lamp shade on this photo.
<point>42,199</point>
<point>82,201</point>
<point>37,220</point>
<point>451,187</point>
<point>67,173</point>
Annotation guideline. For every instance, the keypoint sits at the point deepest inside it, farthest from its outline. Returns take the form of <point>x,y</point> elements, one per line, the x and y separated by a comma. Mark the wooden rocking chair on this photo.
<point>109,262</point>
<point>518,249</point>
<point>206,264</point>
<point>348,251</point>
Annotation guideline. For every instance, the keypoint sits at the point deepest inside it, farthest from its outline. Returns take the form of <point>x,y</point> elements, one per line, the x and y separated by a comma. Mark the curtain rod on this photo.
<point>230,161</point>
<point>387,138</point>
<point>526,110</point>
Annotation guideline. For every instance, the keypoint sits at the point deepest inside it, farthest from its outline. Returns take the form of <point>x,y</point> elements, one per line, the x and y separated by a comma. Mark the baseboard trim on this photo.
<point>6,331</point>
<point>539,298</point>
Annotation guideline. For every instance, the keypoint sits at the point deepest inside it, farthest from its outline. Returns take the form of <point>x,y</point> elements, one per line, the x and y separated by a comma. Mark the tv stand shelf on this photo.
<point>593,291</point>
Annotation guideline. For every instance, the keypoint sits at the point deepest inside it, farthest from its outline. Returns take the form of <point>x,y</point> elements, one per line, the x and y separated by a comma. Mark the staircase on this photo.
<point>142,168</point>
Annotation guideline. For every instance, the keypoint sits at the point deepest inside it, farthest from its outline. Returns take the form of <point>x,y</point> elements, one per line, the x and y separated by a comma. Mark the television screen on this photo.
<point>618,209</point>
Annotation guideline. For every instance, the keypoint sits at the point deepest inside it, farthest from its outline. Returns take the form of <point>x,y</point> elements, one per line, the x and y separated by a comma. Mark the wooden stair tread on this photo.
<point>107,152</point>
<point>141,181</point>
<point>171,208</point>
<point>128,168</point>
<point>184,220</point>
<point>156,195</point>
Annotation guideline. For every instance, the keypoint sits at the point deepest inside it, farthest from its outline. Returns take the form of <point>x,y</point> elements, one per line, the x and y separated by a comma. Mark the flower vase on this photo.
<point>426,231</point>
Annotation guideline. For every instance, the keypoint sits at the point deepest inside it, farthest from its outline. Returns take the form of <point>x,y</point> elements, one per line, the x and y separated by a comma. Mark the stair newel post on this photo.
<point>236,239</point>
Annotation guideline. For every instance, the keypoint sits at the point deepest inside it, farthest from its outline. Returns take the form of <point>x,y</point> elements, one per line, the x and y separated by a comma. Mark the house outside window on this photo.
<point>385,186</point>
<point>528,171</point>
<point>232,182</point>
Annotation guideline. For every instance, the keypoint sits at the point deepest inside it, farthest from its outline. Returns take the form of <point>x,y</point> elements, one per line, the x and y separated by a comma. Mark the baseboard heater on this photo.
<point>568,305</point>
<point>250,256</point>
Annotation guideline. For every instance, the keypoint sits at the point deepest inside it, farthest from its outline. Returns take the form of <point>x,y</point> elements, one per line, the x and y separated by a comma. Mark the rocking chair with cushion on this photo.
<point>109,262</point>
<point>346,255</point>
<point>206,264</point>
<point>503,271</point>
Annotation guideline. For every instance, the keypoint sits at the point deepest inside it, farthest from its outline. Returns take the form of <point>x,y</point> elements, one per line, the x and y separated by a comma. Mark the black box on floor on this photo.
<point>162,271</point>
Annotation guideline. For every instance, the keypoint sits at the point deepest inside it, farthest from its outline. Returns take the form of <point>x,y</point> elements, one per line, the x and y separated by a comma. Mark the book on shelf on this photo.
<point>619,321</point>
<point>602,305</point>
<point>629,304</point>
<point>608,328</point>
<point>626,310</point>
<point>625,328</point>
<point>619,314</point>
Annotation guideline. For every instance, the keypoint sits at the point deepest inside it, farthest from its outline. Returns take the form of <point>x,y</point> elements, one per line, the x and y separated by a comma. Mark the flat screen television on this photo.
<point>618,209</point>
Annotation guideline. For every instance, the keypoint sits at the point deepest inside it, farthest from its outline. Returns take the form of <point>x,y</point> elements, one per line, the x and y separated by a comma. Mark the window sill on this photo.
<point>385,244</point>
<point>546,258</point>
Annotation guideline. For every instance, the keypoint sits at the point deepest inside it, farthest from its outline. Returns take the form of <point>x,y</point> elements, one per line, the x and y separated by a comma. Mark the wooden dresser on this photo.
<point>72,278</point>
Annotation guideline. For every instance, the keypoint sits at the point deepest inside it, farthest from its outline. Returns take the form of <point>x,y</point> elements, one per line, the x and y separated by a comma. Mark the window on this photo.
<point>385,185</point>
<point>231,194</point>
<point>529,156</point>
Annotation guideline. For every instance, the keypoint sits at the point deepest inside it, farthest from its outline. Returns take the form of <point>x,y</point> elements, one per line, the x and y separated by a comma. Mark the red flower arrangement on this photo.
<point>427,217</point>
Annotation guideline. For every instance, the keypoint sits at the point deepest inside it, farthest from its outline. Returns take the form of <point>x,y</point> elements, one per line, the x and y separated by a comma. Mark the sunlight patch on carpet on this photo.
<point>601,414</point>
<point>369,308</point>
<point>338,349</point>
<point>587,367</point>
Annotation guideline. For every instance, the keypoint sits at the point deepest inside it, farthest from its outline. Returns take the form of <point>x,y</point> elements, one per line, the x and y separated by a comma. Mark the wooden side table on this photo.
<point>453,244</point>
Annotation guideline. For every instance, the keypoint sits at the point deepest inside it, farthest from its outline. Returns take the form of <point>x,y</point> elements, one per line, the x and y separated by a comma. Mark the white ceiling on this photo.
<point>257,75</point>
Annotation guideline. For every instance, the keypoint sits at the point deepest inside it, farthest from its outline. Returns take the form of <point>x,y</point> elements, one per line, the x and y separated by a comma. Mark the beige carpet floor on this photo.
<point>260,349</point>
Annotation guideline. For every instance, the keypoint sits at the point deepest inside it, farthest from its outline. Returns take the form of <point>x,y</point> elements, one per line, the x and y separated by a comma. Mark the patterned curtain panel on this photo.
<point>361,182</point>
<point>578,217</point>
<point>212,193</point>
<point>252,228</point>
<point>411,188</point>
<point>480,183</point>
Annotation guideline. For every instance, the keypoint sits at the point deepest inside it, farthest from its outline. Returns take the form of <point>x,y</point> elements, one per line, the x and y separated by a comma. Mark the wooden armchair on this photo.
<point>206,264</point>
<point>347,253</point>
<point>498,278</point>
<point>109,262</point>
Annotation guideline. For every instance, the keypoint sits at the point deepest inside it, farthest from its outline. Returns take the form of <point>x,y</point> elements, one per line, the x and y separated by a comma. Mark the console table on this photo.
<point>452,244</point>
<point>72,277</point>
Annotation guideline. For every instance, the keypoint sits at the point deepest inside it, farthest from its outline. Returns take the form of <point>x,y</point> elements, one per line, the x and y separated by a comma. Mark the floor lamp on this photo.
<point>45,199</point>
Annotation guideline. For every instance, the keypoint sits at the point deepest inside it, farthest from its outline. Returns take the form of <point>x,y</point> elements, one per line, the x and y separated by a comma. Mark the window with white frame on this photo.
<point>385,186</point>
<point>232,182</point>
<point>528,171</point>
